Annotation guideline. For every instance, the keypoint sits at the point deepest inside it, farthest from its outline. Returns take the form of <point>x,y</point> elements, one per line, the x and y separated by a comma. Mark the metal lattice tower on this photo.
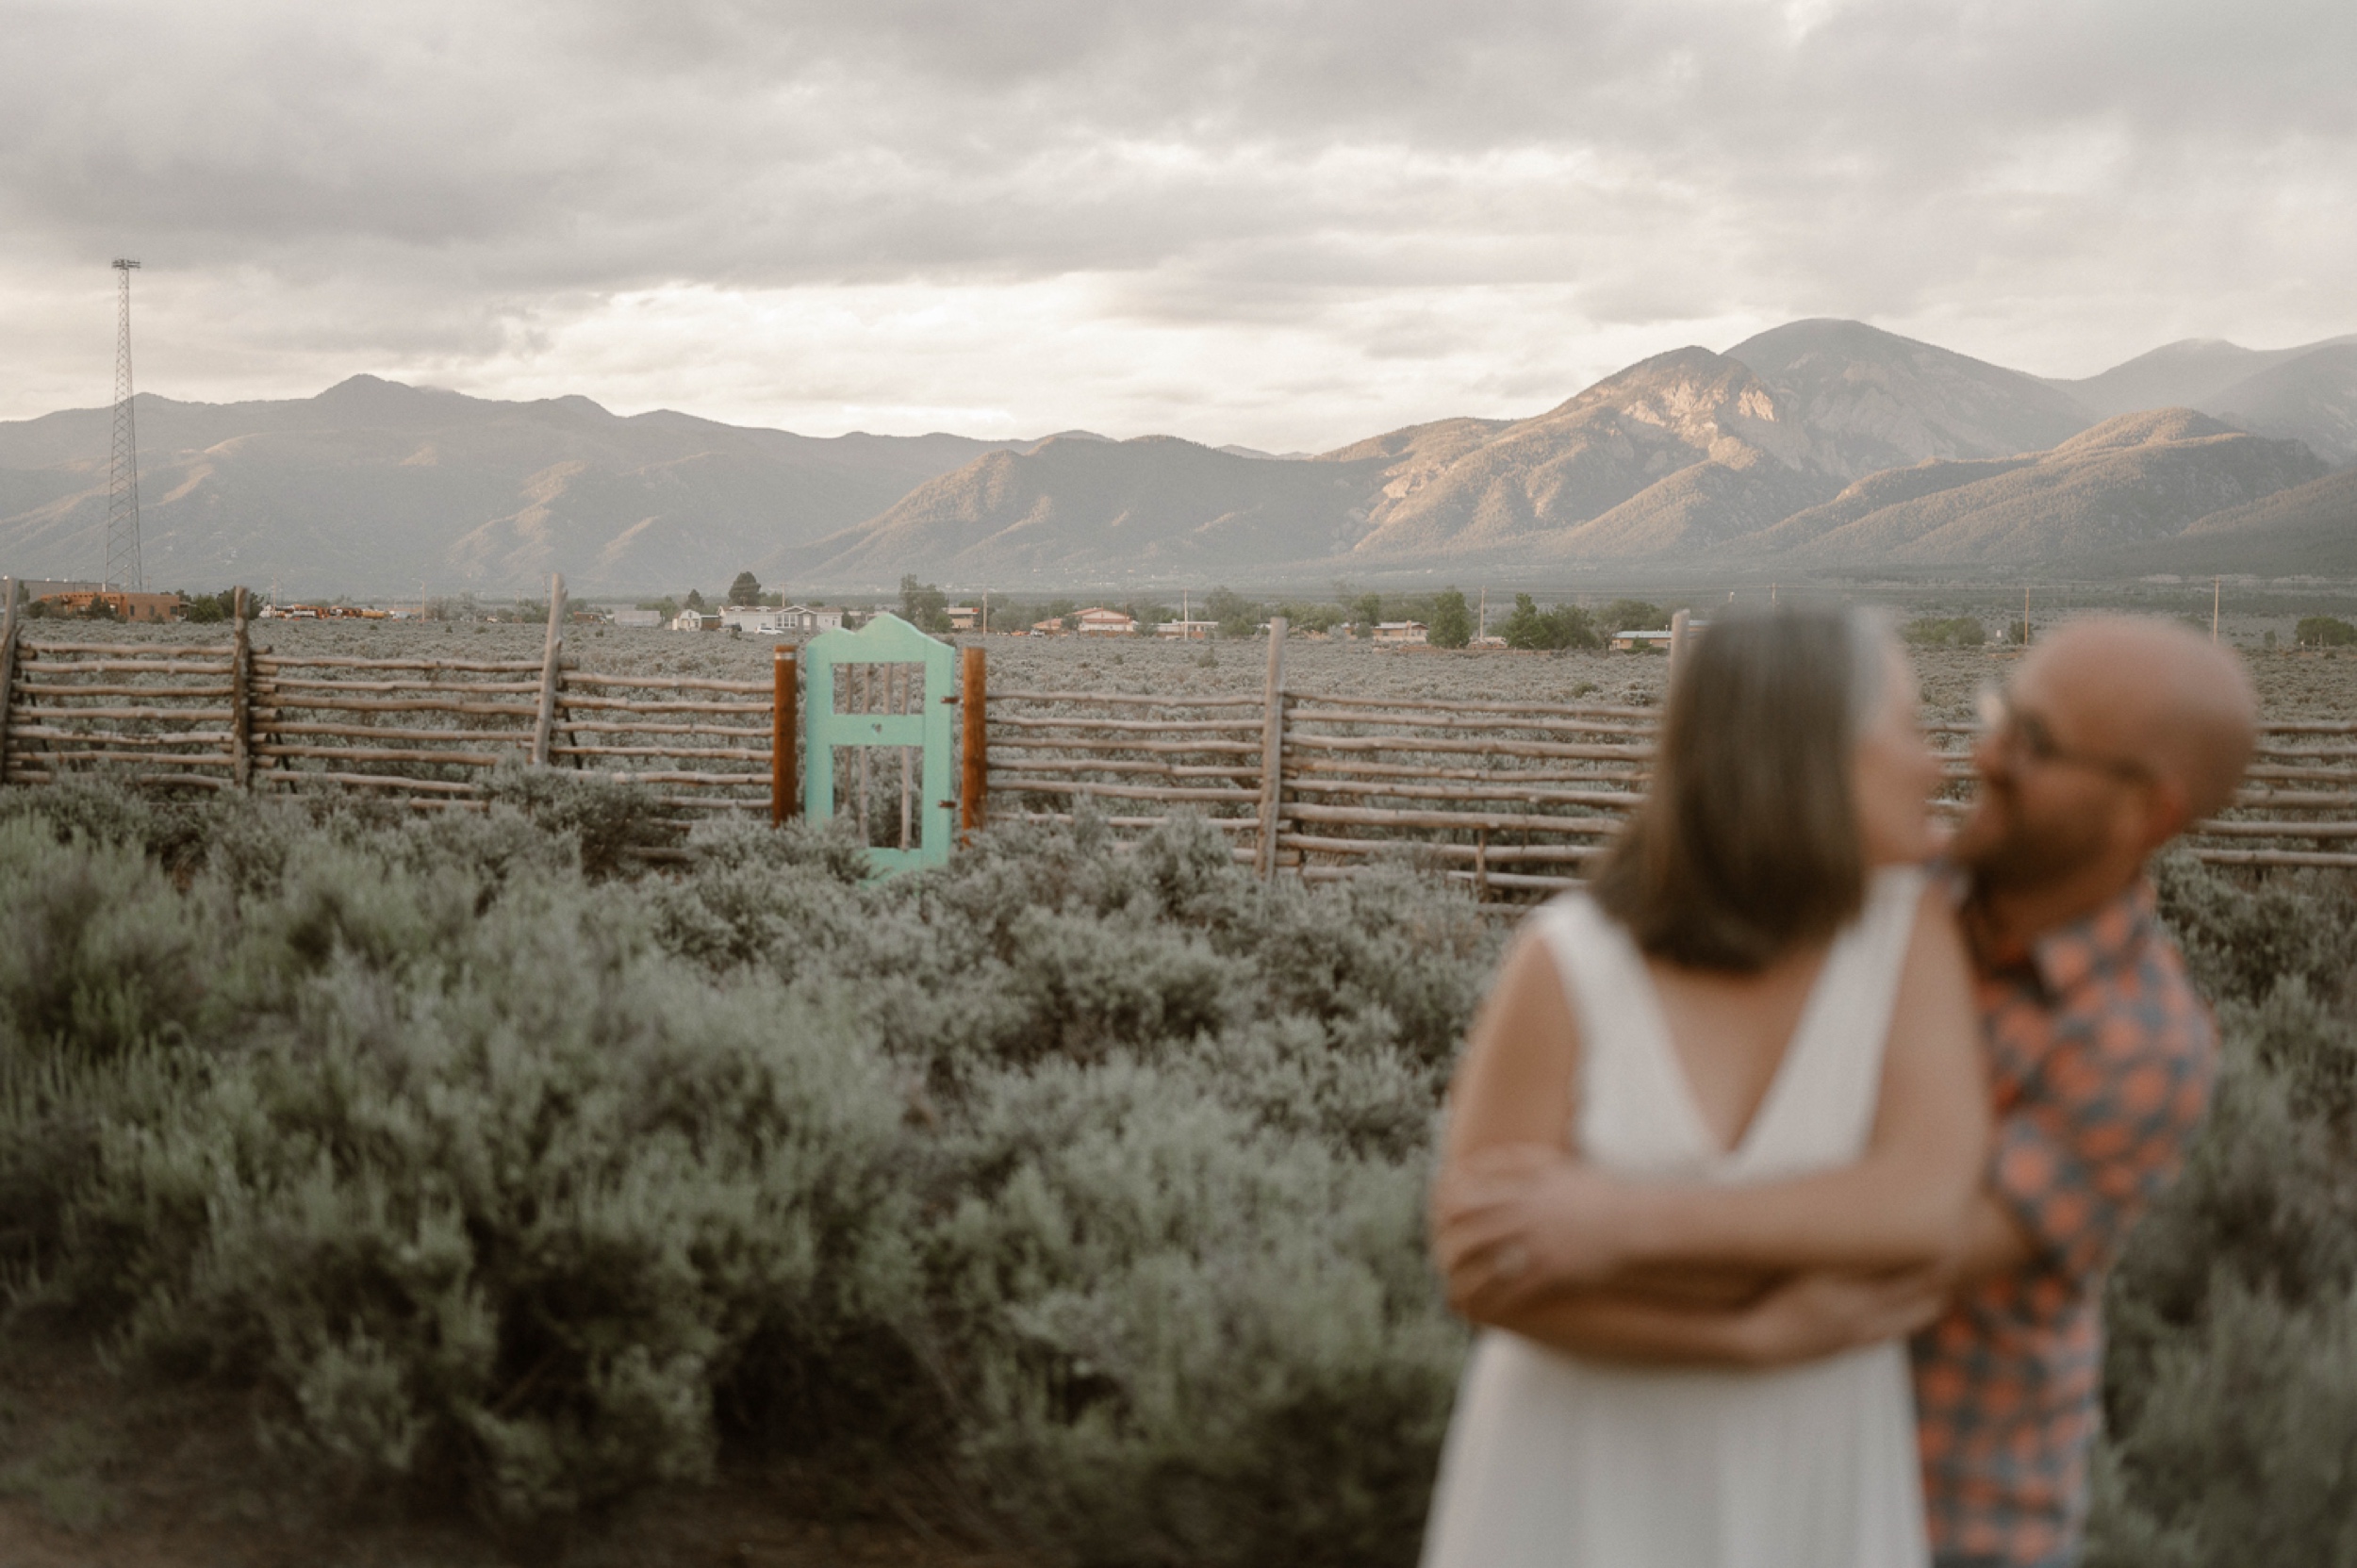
<point>122,474</point>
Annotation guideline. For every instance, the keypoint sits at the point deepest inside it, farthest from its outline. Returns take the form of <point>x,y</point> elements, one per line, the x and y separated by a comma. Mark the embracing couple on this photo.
<point>1786,1164</point>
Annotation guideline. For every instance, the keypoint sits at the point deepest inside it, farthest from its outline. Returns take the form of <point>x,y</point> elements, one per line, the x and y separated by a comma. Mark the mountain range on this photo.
<point>1820,446</point>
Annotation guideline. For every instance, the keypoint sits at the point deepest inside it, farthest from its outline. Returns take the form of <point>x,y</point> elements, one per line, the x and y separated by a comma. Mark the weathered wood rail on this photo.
<point>1510,798</point>
<point>234,716</point>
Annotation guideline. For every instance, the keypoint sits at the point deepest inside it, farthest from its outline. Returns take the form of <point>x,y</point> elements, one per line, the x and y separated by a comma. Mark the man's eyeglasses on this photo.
<point>2026,736</point>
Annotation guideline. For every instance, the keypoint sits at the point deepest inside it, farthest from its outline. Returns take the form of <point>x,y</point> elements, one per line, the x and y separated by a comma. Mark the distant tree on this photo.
<point>1061,610</point>
<point>1367,612</point>
<point>1962,631</point>
<point>923,605</point>
<point>2324,631</point>
<point>1632,615</point>
<point>1237,616</point>
<point>1320,619</point>
<point>693,601</point>
<point>746,590</point>
<point>208,609</point>
<point>666,606</point>
<point>1451,625</point>
<point>1565,626</point>
<point>1148,614</point>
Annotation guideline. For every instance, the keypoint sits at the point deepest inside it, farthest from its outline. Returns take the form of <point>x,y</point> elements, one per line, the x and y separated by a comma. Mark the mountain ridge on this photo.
<point>1821,445</point>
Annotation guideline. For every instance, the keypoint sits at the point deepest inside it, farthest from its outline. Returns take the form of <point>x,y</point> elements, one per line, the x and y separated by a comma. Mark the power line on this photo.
<point>122,474</point>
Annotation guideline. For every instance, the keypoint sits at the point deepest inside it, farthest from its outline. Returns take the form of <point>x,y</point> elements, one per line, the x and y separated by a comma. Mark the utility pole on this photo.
<point>1482,634</point>
<point>2214,593</point>
<point>122,573</point>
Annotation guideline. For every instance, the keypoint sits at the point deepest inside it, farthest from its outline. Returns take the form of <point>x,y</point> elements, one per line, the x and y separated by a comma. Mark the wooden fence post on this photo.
<point>1677,641</point>
<point>785,787</point>
<point>240,696</point>
<point>544,726</point>
<point>1273,750</point>
<point>973,759</point>
<point>8,668</point>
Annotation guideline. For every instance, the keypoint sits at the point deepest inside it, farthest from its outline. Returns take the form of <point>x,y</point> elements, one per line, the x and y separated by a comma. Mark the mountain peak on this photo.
<point>1876,399</point>
<point>2147,427</point>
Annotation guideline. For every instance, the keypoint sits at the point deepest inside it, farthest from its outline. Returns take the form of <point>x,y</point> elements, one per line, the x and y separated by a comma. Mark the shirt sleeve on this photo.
<point>2118,1101</point>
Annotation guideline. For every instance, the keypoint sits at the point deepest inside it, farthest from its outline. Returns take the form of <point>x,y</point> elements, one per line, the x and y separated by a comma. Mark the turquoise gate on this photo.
<point>885,685</point>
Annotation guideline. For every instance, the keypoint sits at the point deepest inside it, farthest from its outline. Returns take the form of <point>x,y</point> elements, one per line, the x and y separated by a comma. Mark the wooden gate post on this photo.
<point>1273,750</point>
<point>1677,641</point>
<point>974,743</point>
<point>240,696</point>
<point>544,726</point>
<point>785,789</point>
<point>8,668</point>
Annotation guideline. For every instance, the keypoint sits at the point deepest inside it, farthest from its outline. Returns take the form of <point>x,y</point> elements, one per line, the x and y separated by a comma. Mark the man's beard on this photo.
<point>2007,852</point>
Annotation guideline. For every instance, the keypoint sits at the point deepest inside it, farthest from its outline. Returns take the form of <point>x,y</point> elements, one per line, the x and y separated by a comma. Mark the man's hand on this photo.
<point>1823,1313</point>
<point>1520,1221</point>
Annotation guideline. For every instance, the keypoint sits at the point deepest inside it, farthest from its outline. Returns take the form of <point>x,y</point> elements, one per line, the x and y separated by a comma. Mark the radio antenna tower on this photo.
<point>122,474</point>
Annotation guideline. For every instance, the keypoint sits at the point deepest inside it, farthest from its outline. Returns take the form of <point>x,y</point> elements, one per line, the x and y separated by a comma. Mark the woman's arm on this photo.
<point>1903,1204</point>
<point>1516,1085</point>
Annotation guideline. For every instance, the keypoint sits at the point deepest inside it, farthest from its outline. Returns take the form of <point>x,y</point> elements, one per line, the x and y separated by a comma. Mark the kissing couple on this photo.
<point>1786,1162</point>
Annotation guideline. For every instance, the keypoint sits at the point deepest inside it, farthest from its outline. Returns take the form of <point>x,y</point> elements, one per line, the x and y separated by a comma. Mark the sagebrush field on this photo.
<point>1090,1180</point>
<point>1063,1200</point>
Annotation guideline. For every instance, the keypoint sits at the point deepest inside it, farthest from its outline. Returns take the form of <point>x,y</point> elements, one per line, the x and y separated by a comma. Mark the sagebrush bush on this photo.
<point>488,1166</point>
<point>1093,1172</point>
<point>2231,1387</point>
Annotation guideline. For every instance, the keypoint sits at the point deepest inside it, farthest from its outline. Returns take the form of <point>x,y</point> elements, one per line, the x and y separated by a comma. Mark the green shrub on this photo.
<point>1188,1339</point>
<point>2324,631</point>
<point>1962,631</point>
<point>497,1222</point>
<point>2231,1385</point>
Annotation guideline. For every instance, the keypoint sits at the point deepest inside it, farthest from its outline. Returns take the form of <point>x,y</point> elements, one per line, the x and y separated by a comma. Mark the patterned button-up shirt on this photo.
<point>2101,1060</point>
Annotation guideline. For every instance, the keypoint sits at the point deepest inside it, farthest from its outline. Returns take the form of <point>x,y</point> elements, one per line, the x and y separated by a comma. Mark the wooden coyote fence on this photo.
<point>1510,797</point>
<point>237,715</point>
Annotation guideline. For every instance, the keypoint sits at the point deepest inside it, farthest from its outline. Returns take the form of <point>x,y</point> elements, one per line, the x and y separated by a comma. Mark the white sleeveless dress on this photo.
<point>1557,1461</point>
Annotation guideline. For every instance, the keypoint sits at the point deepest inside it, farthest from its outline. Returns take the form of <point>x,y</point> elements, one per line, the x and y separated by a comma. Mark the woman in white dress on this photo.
<point>1718,1007</point>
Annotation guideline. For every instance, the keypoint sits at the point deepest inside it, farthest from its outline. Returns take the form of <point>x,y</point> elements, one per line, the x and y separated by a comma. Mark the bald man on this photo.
<point>2115,735</point>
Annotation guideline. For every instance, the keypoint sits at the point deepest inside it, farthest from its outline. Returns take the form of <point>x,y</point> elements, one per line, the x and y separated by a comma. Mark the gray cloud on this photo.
<point>1251,195</point>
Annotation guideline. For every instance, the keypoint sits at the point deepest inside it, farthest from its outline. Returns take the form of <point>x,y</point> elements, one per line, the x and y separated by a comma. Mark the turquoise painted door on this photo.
<point>908,707</point>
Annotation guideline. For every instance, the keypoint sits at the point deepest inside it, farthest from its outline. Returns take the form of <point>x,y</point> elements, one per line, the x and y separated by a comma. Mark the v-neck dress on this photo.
<point>1565,1461</point>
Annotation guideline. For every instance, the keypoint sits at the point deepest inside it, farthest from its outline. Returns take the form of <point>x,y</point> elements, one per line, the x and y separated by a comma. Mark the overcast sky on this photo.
<point>1285,223</point>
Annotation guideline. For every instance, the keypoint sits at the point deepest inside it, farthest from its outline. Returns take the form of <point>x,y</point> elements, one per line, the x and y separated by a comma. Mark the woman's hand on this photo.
<point>1518,1221</point>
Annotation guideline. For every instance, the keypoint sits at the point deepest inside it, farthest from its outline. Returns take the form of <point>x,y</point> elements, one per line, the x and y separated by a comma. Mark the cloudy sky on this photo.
<point>1285,223</point>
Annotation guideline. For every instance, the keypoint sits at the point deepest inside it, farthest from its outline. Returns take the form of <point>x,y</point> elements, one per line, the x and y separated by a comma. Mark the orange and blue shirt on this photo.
<point>2100,1063</point>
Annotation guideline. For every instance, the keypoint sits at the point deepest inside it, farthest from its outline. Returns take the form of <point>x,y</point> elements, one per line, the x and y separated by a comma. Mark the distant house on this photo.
<point>1049,628</point>
<point>1189,630</point>
<point>781,620</point>
<point>126,606</point>
<point>638,618</point>
<point>806,620</point>
<point>696,620</point>
<point>1098,622</point>
<point>1491,641</point>
<point>1401,634</point>
<point>964,618</point>
<point>1637,642</point>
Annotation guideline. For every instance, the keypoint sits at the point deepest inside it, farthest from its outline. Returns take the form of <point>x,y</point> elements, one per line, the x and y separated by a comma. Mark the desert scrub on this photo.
<point>2230,1384</point>
<point>475,1169</point>
<point>1095,1174</point>
<point>1182,1335</point>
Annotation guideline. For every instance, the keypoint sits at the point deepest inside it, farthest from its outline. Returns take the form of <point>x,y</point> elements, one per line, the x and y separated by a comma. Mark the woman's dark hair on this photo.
<point>1747,843</point>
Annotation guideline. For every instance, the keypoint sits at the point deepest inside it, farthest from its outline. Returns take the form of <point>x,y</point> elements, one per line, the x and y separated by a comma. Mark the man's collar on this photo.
<point>2068,955</point>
